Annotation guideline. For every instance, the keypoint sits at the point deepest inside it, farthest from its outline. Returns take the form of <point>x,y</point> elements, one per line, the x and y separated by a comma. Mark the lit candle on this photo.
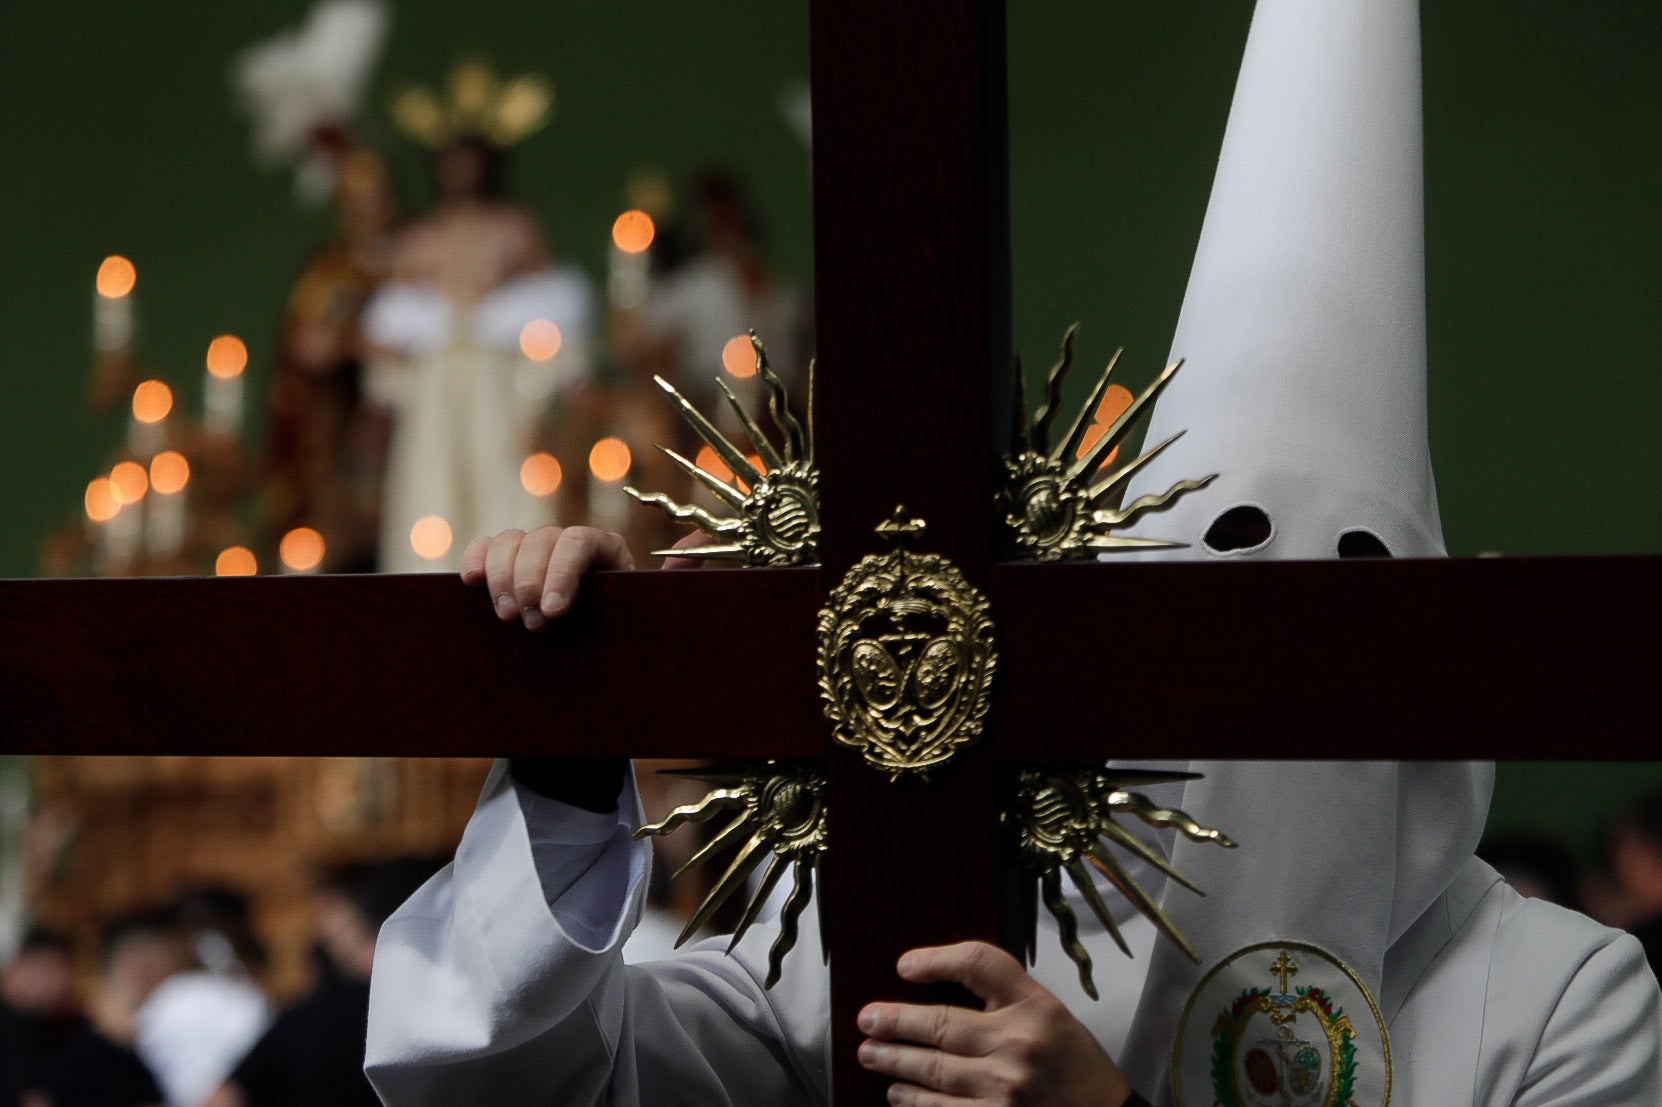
<point>164,525</point>
<point>152,401</point>
<point>165,515</point>
<point>301,550</point>
<point>609,463</point>
<point>101,507</point>
<point>112,306</point>
<point>629,272</point>
<point>222,394</point>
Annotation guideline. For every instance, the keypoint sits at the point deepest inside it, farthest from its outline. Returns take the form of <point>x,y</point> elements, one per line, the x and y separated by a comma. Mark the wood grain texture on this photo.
<point>648,664</point>
<point>1503,658</point>
<point>911,270</point>
<point>911,261</point>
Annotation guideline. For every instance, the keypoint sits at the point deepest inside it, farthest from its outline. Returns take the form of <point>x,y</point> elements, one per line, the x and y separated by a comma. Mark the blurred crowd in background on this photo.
<point>171,1008</point>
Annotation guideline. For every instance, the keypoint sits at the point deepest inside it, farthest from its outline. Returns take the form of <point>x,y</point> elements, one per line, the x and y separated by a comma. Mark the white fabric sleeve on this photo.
<point>484,993</point>
<point>1602,1044</point>
<point>411,317</point>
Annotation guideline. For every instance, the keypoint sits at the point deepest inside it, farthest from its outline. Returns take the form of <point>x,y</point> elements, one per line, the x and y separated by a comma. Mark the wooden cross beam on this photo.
<point>1458,659</point>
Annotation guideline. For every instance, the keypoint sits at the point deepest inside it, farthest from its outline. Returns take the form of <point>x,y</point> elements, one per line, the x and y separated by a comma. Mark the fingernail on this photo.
<point>533,619</point>
<point>868,1020</point>
<point>868,1054</point>
<point>506,608</point>
<point>553,603</point>
<point>908,963</point>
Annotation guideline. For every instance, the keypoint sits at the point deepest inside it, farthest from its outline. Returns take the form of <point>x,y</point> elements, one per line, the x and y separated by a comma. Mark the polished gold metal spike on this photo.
<point>738,873</point>
<point>724,838</point>
<point>1139,805</point>
<point>1091,460</point>
<point>1151,856</point>
<point>779,403</point>
<point>777,864</point>
<point>1074,442</point>
<point>683,513</point>
<point>778,814</point>
<point>1050,884</point>
<point>1055,502</point>
<point>730,454</point>
<point>705,809</point>
<point>1039,438</point>
<point>802,891</point>
<point>775,503</point>
<point>1110,481</point>
<point>1063,817</point>
<point>758,441</point>
<point>1081,877</point>
<point>1115,873</point>
<point>725,492</point>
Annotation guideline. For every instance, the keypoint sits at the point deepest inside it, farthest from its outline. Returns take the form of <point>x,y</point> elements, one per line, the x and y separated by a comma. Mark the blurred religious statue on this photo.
<point>325,448</point>
<point>474,332</point>
<point>303,90</point>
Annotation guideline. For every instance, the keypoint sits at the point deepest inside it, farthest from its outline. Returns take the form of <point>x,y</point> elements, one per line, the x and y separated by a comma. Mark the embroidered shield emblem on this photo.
<point>1281,1025</point>
<point>906,660</point>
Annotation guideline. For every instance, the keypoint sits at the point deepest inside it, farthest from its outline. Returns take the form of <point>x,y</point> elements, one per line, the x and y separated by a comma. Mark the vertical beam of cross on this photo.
<point>911,253</point>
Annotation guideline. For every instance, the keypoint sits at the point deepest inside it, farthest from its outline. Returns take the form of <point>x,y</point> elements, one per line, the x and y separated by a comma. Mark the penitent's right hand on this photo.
<point>534,577</point>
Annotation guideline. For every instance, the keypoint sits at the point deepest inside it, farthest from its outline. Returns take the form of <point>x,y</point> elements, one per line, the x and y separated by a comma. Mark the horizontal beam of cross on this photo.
<point>1414,659</point>
<point>1488,658</point>
<point>85,667</point>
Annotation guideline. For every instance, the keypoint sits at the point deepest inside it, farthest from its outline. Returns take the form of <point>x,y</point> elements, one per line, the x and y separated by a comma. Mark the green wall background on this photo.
<point>1542,182</point>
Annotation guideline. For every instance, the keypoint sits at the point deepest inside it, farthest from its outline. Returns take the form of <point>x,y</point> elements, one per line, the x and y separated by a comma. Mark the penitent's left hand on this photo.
<point>1025,1047</point>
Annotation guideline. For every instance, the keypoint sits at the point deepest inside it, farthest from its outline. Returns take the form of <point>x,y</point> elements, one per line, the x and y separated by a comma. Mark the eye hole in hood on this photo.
<point>1243,527</point>
<point>1362,543</point>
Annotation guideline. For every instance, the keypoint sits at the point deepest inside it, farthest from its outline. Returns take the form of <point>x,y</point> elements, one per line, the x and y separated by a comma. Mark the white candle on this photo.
<point>166,517</point>
<point>222,405</point>
<point>609,463</point>
<point>222,392</point>
<point>112,306</point>
<point>146,439</point>
<point>629,270</point>
<point>628,279</point>
<point>122,536</point>
<point>609,506</point>
<point>112,324</point>
<point>101,507</point>
<point>147,433</point>
<point>164,524</point>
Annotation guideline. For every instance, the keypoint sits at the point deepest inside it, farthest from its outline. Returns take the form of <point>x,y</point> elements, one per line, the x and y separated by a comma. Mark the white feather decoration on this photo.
<point>310,77</point>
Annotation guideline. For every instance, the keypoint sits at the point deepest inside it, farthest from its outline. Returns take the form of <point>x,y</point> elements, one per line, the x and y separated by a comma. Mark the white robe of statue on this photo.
<point>465,403</point>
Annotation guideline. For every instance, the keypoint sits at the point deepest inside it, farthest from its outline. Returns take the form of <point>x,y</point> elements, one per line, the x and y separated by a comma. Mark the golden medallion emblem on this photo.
<point>906,657</point>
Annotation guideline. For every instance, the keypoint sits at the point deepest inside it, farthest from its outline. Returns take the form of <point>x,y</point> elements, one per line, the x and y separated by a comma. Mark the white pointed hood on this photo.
<point>1303,329</point>
<point>1303,334</point>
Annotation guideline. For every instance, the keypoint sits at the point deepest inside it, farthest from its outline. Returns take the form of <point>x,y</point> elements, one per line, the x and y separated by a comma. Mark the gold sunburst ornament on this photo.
<point>1055,503</point>
<point>775,518</point>
<point>778,815</point>
<point>1063,818</point>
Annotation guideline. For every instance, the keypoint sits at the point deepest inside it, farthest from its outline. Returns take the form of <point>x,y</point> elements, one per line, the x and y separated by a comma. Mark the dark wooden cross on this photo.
<point>1506,658</point>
